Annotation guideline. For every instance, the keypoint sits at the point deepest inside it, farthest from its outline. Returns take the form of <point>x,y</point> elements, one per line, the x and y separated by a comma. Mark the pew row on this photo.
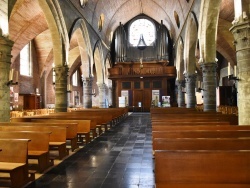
<point>71,129</point>
<point>14,168</point>
<point>202,168</point>
<point>201,134</point>
<point>201,143</point>
<point>57,137</point>
<point>38,147</point>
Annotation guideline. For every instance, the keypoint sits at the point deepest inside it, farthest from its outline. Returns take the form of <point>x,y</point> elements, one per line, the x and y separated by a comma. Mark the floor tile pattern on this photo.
<point>119,158</point>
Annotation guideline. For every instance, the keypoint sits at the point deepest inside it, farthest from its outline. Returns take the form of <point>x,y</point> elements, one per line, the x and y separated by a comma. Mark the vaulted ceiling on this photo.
<point>27,21</point>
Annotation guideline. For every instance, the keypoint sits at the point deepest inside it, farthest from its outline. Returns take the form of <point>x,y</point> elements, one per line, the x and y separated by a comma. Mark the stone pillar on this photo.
<point>241,32</point>
<point>87,92</point>
<point>209,86</point>
<point>190,90</point>
<point>5,61</point>
<point>61,73</point>
<point>110,95</point>
<point>102,95</point>
<point>68,98</point>
<point>181,96</point>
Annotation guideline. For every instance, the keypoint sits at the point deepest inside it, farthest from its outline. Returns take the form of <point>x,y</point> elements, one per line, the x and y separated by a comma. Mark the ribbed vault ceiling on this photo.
<point>28,22</point>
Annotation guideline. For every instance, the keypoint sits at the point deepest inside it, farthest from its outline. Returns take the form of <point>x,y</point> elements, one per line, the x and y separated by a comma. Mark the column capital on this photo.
<point>61,71</point>
<point>102,85</point>
<point>190,77</point>
<point>180,82</point>
<point>87,81</point>
<point>208,68</point>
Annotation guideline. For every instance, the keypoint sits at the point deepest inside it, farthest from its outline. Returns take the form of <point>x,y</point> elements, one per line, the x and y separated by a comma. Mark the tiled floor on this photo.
<point>119,158</point>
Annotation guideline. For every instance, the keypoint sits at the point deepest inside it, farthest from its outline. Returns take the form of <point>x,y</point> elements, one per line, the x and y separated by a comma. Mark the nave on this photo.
<point>119,158</point>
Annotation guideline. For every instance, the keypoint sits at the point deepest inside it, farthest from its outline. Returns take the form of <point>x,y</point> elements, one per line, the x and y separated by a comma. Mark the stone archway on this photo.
<point>99,73</point>
<point>207,35</point>
<point>190,59</point>
<point>80,53</point>
<point>180,80</point>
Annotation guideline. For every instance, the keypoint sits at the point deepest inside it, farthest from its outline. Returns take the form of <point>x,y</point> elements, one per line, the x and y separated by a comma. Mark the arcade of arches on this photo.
<point>90,53</point>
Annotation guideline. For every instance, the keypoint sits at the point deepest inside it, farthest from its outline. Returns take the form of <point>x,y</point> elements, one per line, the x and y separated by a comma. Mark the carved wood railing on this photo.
<point>168,71</point>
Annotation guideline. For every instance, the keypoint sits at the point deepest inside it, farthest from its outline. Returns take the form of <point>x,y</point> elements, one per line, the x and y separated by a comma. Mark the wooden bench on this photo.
<point>38,147</point>
<point>13,163</point>
<point>103,121</point>
<point>57,136</point>
<point>199,127</point>
<point>201,144</point>
<point>201,134</point>
<point>202,168</point>
<point>71,128</point>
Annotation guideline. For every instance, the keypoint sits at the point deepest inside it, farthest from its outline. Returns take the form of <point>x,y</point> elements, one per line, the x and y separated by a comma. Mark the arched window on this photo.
<point>25,61</point>
<point>75,79</point>
<point>142,27</point>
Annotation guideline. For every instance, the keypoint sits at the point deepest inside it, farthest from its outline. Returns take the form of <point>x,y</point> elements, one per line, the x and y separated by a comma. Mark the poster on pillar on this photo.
<point>156,97</point>
<point>125,94</point>
<point>165,101</point>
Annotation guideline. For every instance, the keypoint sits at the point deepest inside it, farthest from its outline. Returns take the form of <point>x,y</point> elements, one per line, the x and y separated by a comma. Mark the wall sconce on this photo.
<point>69,88</point>
<point>234,75</point>
<point>11,76</point>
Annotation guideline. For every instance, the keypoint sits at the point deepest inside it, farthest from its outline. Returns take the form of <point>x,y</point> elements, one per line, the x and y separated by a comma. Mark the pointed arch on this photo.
<point>208,22</point>
<point>107,66</point>
<point>80,32</point>
<point>191,35</point>
<point>99,62</point>
<point>57,26</point>
<point>179,60</point>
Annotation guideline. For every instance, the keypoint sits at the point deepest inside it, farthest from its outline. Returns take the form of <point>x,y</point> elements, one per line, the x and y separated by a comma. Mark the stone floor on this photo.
<point>119,158</point>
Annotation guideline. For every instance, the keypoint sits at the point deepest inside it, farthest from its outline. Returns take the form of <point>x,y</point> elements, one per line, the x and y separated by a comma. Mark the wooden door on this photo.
<point>147,98</point>
<point>138,97</point>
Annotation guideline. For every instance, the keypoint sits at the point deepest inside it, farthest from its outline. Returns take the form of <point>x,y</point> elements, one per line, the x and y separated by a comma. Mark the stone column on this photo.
<point>5,61</point>
<point>181,96</point>
<point>87,92</point>
<point>102,95</point>
<point>241,32</point>
<point>110,96</point>
<point>190,90</point>
<point>68,98</point>
<point>209,86</point>
<point>61,73</point>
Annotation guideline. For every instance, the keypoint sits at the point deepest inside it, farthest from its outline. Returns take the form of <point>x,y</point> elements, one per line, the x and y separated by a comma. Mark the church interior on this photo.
<point>112,74</point>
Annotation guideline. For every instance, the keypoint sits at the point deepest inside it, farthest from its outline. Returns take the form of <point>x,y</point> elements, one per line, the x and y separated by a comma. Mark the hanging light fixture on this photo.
<point>141,44</point>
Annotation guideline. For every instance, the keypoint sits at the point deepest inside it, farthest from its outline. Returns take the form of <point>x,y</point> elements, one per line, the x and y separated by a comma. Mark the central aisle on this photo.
<point>119,158</point>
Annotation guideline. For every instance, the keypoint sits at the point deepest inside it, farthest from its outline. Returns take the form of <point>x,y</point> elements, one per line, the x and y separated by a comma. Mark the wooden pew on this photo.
<point>14,165</point>
<point>198,127</point>
<point>201,144</point>
<point>202,168</point>
<point>81,129</point>
<point>117,113</point>
<point>71,128</point>
<point>38,147</point>
<point>103,121</point>
<point>57,136</point>
<point>201,134</point>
